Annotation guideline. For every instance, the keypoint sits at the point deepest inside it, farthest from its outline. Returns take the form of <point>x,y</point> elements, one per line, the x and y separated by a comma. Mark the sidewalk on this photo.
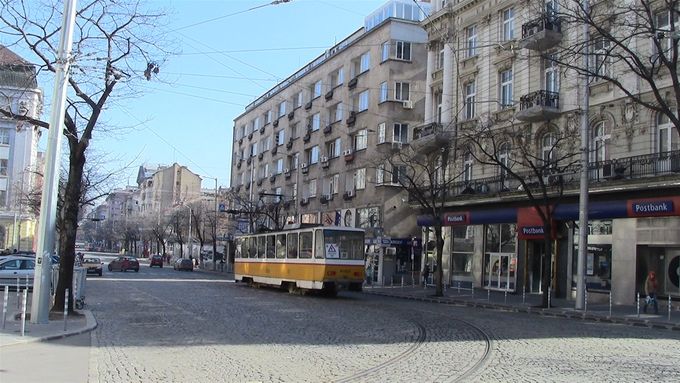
<point>54,329</point>
<point>530,304</point>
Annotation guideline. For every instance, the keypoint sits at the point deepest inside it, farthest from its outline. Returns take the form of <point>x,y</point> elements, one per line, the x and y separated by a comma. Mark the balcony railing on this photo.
<point>542,33</point>
<point>541,105</point>
<point>625,169</point>
<point>431,136</point>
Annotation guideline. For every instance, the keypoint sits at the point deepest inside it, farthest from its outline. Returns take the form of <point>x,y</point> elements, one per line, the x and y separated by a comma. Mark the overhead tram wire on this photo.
<point>275,2</point>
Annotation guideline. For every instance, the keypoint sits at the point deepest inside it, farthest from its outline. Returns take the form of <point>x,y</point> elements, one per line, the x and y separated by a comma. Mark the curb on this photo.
<point>537,311</point>
<point>90,324</point>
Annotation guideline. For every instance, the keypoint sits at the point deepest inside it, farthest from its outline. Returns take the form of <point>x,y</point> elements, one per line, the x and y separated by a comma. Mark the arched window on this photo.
<point>504,159</point>
<point>600,137</point>
<point>548,142</point>
<point>468,161</point>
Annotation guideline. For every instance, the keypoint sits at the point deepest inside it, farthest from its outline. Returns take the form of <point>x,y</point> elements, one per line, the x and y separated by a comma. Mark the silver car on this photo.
<point>13,267</point>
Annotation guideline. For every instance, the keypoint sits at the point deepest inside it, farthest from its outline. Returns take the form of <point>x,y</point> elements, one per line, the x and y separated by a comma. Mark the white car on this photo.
<point>13,267</point>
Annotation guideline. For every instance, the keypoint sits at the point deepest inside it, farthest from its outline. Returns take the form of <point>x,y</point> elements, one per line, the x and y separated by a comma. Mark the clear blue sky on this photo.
<point>224,65</point>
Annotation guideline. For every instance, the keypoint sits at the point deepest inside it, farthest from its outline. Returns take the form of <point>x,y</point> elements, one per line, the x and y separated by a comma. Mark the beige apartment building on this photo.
<point>314,140</point>
<point>489,64</point>
<point>164,187</point>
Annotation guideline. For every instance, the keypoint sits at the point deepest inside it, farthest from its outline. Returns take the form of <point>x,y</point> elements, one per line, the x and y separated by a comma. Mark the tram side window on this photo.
<point>260,246</point>
<point>270,246</point>
<point>237,252</point>
<point>319,245</point>
<point>306,245</point>
<point>280,246</point>
<point>252,250</point>
<point>292,245</point>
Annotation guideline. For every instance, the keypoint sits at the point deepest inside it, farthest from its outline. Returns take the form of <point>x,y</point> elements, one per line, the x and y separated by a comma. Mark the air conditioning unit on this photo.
<point>324,159</point>
<point>349,193</point>
<point>347,152</point>
<point>303,166</point>
<point>286,170</point>
<point>408,104</point>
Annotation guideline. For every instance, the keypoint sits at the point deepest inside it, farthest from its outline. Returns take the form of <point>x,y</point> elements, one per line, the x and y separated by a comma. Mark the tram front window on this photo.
<point>344,245</point>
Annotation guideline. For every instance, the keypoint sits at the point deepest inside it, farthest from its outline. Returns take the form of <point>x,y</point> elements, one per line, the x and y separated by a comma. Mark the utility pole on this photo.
<point>583,190</point>
<point>48,205</point>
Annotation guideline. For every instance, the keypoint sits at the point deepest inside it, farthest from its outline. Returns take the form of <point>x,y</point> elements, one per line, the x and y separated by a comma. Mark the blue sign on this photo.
<point>222,207</point>
<point>652,207</point>
<point>533,230</point>
<point>243,226</point>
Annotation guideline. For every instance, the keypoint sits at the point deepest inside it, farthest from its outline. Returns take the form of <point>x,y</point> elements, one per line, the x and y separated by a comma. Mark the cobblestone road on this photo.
<point>165,326</point>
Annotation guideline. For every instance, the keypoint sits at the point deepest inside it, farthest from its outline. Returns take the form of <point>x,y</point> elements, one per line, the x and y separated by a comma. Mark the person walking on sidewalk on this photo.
<point>426,274</point>
<point>650,290</point>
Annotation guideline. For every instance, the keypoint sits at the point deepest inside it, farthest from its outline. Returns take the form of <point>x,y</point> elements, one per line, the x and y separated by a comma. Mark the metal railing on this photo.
<point>427,130</point>
<point>541,23</point>
<point>541,98</point>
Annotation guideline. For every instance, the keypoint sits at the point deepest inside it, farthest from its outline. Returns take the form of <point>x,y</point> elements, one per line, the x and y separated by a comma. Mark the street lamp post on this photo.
<point>215,228</point>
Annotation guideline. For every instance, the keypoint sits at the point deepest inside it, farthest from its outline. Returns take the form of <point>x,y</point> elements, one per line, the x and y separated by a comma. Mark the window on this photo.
<point>381,133</point>
<point>360,179</point>
<point>401,91</point>
<point>548,142</point>
<point>471,41</point>
<point>312,188</point>
<point>385,51</point>
<point>306,245</point>
<point>256,123</point>
<point>599,141</point>
<point>403,50</point>
<point>399,175</point>
<point>551,73</point>
<point>280,137</point>
<point>440,58</point>
<point>600,60</point>
<point>266,145</point>
<point>470,95</point>
<point>292,245</point>
<point>662,20</point>
<point>315,122</point>
<point>3,198</point>
<point>267,117</point>
<point>335,184</point>
<point>666,138</point>
<point>314,155</point>
<point>463,249</point>
<point>508,24</point>
<point>253,149</point>
<point>400,133</point>
<point>363,100</point>
<point>337,112</point>
<point>383,91</point>
<point>504,159</point>
<point>279,166</point>
<point>334,148</point>
<point>294,130</point>
<point>338,77</point>
<point>360,140</point>
<point>468,161</point>
<point>280,246</point>
<point>318,88</point>
<point>271,246</point>
<point>365,62</point>
<point>506,88</point>
<point>4,136</point>
<point>282,109</point>
<point>297,100</point>
<point>380,174</point>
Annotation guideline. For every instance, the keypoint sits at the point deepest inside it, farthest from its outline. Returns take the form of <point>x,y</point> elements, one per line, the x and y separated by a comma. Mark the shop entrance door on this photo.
<point>500,273</point>
<point>535,266</point>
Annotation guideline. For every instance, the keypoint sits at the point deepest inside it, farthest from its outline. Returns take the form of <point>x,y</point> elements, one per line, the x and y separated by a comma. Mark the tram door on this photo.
<point>501,271</point>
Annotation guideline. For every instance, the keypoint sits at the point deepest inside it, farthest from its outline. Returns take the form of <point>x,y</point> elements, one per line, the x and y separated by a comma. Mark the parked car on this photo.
<point>124,263</point>
<point>183,264</point>
<point>156,260</point>
<point>13,267</point>
<point>92,265</point>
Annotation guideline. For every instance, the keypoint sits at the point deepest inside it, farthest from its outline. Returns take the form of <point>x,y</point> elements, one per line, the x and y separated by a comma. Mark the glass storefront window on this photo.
<point>598,265</point>
<point>463,247</point>
<point>500,256</point>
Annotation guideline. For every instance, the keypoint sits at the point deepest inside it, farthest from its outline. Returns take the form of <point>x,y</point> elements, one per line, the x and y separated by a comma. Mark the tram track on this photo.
<point>465,375</point>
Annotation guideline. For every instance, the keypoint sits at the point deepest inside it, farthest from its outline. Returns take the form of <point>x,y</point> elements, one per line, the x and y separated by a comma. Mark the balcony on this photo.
<point>427,138</point>
<point>351,119</point>
<point>541,33</point>
<point>307,136</point>
<point>327,129</point>
<point>329,95</point>
<point>541,105</point>
<point>308,105</point>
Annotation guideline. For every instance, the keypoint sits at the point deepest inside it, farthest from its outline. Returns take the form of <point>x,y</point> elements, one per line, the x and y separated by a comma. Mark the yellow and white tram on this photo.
<point>323,258</point>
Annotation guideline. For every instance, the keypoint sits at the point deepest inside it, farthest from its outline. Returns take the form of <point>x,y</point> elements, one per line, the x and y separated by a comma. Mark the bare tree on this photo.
<point>263,214</point>
<point>534,165</point>
<point>638,37</point>
<point>179,224</point>
<point>160,232</point>
<point>425,170</point>
<point>115,43</point>
<point>198,217</point>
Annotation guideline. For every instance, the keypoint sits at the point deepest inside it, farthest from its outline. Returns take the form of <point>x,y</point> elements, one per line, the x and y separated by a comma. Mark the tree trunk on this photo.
<point>69,227</point>
<point>438,274</point>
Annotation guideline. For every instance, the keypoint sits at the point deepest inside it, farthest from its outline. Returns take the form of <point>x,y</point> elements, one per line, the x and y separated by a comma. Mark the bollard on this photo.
<point>65,307</point>
<point>459,287</point>
<point>669,307</point>
<point>488,294</point>
<point>505,299</point>
<point>4,306</point>
<point>383,281</point>
<point>610,303</point>
<point>473,291</point>
<point>18,292</point>
<point>402,281</point>
<point>524,295</point>
<point>637,301</point>
<point>549,295</point>
<point>23,312</point>
<point>445,287</point>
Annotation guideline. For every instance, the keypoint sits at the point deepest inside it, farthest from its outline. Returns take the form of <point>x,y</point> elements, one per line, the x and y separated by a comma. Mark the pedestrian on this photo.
<point>426,274</point>
<point>651,286</point>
